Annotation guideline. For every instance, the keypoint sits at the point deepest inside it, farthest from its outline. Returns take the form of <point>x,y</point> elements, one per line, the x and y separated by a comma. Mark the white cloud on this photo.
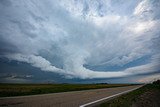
<point>101,21</point>
<point>149,79</point>
<point>36,61</point>
<point>43,31</point>
<point>141,27</point>
<point>142,7</point>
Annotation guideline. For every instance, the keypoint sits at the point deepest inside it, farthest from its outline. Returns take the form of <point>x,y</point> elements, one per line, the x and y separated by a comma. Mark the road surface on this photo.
<point>64,99</point>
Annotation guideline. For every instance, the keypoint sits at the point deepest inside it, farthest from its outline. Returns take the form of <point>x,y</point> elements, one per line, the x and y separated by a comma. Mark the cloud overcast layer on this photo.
<point>74,38</point>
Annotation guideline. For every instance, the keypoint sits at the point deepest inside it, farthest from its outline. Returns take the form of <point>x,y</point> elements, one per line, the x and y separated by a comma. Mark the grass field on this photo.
<point>7,90</point>
<point>128,99</point>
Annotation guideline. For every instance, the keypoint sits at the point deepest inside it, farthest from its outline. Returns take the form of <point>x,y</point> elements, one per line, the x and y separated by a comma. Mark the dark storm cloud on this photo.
<point>78,39</point>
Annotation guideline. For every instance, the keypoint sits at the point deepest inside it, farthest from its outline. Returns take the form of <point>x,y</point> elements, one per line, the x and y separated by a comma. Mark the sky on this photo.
<point>79,41</point>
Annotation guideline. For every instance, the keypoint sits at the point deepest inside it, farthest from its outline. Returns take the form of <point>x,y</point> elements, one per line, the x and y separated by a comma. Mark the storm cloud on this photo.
<point>73,37</point>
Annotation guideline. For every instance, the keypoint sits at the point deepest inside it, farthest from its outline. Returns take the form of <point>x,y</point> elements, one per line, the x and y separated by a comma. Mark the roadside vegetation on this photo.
<point>7,90</point>
<point>146,96</point>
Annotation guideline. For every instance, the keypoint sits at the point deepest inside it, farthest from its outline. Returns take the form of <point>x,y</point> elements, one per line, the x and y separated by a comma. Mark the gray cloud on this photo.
<point>57,38</point>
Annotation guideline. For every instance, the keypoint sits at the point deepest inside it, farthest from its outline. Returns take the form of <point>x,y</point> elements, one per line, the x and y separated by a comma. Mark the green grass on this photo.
<point>126,100</point>
<point>7,90</point>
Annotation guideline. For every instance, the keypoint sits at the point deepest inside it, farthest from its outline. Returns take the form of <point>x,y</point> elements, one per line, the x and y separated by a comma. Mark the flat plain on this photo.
<point>7,90</point>
<point>64,99</point>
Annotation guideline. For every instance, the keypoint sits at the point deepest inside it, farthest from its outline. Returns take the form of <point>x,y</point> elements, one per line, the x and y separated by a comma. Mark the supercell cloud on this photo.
<point>82,38</point>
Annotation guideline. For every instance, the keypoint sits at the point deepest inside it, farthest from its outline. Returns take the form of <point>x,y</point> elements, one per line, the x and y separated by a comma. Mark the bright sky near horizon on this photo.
<point>79,40</point>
